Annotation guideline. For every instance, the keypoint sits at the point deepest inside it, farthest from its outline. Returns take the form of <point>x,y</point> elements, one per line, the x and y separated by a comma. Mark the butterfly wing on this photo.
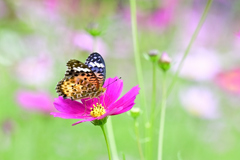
<point>96,63</point>
<point>75,88</point>
<point>81,71</point>
<point>79,81</point>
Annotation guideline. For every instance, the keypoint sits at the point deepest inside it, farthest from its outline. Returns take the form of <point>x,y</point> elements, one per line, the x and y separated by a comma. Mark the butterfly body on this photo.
<point>83,80</point>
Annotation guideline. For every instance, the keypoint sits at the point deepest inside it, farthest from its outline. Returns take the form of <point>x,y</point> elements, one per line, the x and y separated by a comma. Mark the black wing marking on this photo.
<point>96,63</point>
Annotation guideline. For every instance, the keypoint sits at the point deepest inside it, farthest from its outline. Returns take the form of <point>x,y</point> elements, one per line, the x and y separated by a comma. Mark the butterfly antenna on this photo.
<point>113,82</point>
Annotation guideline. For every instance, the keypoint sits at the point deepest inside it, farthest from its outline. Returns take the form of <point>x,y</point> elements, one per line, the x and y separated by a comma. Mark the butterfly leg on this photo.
<point>85,108</point>
<point>98,100</point>
<point>86,105</point>
<point>104,99</point>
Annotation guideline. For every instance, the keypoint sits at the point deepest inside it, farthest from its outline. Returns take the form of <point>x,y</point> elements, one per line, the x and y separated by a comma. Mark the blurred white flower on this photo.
<point>188,21</point>
<point>200,102</point>
<point>9,53</point>
<point>37,15</point>
<point>201,64</point>
<point>35,70</point>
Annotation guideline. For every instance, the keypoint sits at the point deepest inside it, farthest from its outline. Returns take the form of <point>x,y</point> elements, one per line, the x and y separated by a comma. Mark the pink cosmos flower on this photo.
<point>229,80</point>
<point>97,109</point>
<point>35,101</point>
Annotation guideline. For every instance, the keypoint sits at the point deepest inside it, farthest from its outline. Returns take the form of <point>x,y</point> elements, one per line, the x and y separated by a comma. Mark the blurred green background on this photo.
<point>38,37</point>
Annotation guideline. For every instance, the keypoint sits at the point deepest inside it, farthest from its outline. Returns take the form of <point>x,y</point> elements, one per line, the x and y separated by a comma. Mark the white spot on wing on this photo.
<point>96,64</point>
<point>81,69</point>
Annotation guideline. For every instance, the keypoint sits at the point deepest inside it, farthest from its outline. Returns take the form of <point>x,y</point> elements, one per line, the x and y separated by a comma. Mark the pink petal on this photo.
<point>127,99</point>
<point>114,90</point>
<point>68,116</point>
<point>125,109</point>
<point>84,120</point>
<point>69,106</point>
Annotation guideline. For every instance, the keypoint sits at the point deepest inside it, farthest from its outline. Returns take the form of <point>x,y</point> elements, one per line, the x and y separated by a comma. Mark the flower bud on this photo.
<point>94,30</point>
<point>135,112</point>
<point>153,55</point>
<point>164,62</point>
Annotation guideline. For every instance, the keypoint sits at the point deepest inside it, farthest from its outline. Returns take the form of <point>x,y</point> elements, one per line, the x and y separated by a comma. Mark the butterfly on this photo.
<point>83,80</point>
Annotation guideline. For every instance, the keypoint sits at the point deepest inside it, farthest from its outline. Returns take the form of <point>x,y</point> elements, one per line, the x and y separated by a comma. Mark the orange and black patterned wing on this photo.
<point>96,63</point>
<point>82,71</point>
<point>74,88</point>
<point>79,81</point>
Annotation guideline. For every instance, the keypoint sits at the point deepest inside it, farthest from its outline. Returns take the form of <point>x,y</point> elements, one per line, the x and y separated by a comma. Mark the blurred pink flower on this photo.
<point>51,5</point>
<point>229,80</point>
<point>3,9</point>
<point>60,7</point>
<point>238,34</point>
<point>85,42</point>
<point>90,110</point>
<point>35,70</point>
<point>201,64</point>
<point>200,102</point>
<point>161,17</point>
<point>35,101</point>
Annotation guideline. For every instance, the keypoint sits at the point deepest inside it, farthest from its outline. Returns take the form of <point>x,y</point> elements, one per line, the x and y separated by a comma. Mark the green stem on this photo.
<point>162,117</point>
<point>112,139</point>
<point>138,138</point>
<point>137,56</point>
<point>105,136</point>
<point>154,89</point>
<point>124,158</point>
<point>194,36</point>
<point>149,144</point>
<point>95,44</point>
<point>179,156</point>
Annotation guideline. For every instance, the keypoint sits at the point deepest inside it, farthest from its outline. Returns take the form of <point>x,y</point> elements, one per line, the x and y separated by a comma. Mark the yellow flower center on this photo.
<point>97,111</point>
